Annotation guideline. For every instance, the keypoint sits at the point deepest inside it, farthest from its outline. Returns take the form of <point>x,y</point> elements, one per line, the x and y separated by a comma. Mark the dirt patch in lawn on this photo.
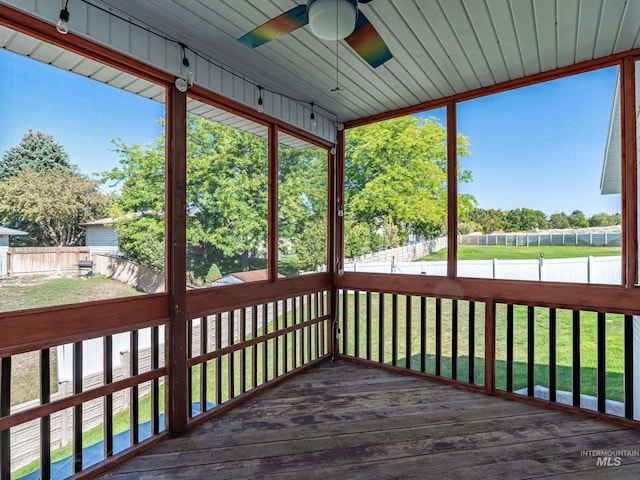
<point>21,293</point>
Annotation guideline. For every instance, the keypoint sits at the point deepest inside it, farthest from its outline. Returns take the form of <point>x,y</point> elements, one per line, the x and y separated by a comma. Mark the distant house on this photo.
<point>102,236</point>
<point>243,277</point>
<point>5,233</point>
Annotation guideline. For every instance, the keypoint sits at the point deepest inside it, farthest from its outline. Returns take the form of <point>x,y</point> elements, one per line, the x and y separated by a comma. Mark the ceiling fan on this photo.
<point>328,20</point>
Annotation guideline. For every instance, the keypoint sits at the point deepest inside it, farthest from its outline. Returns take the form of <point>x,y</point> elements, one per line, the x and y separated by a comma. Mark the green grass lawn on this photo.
<point>19,293</point>
<point>474,252</point>
<point>588,343</point>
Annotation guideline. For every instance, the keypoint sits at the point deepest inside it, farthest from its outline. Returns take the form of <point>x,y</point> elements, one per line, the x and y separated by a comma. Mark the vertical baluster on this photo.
<point>45,421</point>
<point>276,340</point>
<point>309,318</point>
<point>322,325</point>
<point>243,353</point>
<point>407,332</point>
<point>602,365</point>
<point>438,336</point>
<point>381,327</point>
<point>135,407</point>
<point>552,354</point>
<point>265,330</point>
<point>285,338</point>
<point>394,330</point>
<point>218,359</point>
<point>345,321</point>
<point>107,362</point>
<point>530,350</point>
<point>294,334</point>
<point>204,335</point>
<point>319,327</point>
<point>356,323</point>
<point>189,373</point>
<point>77,410</point>
<point>472,342</point>
<point>155,383</point>
<point>510,348</point>
<point>254,349</point>
<point>576,358</point>
<point>368,325</point>
<point>628,366</point>
<point>423,334</point>
<point>230,358</point>
<point>5,410</point>
<point>300,332</point>
<point>454,339</point>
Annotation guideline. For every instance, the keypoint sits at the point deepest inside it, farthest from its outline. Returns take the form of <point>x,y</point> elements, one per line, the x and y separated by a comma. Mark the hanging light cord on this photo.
<point>143,26</point>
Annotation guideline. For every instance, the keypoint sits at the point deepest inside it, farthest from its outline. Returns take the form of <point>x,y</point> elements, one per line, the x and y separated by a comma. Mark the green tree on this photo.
<point>302,204</point>
<point>396,170</point>
<point>226,190</point>
<point>37,151</point>
<point>525,219</point>
<point>559,221</point>
<point>54,203</point>
<point>578,220</point>
<point>491,220</point>
<point>604,220</point>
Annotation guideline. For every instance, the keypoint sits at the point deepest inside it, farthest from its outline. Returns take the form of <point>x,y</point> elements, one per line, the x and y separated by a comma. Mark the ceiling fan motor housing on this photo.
<point>332,19</point>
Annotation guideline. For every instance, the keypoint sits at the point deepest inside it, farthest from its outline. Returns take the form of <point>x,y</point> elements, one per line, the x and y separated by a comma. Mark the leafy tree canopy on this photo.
<point>52,204</point>
<point>396,170</point>
<point>37,151</point>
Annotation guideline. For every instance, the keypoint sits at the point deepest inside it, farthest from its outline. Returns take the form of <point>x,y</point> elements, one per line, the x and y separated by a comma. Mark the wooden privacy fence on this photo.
<point>33,260</point>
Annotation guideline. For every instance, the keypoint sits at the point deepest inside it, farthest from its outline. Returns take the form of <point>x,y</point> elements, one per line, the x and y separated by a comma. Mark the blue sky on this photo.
<point>82,115</point>
<point>539,147</point>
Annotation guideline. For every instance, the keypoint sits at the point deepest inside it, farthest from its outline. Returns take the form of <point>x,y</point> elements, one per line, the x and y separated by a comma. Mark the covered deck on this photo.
<point>349,420</point>
<point>336,374</point>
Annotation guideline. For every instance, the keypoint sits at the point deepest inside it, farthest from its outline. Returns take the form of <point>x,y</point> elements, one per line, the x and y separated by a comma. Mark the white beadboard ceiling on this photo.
<point>440,47</point>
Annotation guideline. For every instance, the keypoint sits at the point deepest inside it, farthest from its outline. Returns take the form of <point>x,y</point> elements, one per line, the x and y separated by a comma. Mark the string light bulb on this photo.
<point>314,122</point>
<point>63,20</point>
<point>260,102</point>
<point>186,65</point>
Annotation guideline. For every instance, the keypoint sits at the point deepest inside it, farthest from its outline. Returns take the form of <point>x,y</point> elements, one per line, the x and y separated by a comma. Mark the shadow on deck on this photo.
<point>344,420</point>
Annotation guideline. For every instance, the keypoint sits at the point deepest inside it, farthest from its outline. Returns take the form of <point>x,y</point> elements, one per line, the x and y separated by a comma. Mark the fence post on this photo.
<point>589,265</point>
<point>495,268</point>
<point>125,365</point>
<point>540,265</point>
<point>66,420</point>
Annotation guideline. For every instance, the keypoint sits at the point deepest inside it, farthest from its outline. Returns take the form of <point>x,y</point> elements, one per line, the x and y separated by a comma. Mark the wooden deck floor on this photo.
<point>346,421</point>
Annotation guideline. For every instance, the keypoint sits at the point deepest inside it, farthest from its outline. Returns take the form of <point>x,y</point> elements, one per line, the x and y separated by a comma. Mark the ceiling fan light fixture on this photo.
<point>332,19</point>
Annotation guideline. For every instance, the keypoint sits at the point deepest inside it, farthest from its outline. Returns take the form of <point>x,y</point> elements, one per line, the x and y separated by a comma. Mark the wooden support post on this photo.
<point>336,235</point>
<point>629,174</point>
<point>272,202</point>
<point>175,203</point>
<point>452,190</point>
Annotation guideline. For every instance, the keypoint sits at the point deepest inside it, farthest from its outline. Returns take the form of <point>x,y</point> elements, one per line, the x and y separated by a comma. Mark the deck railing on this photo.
<point>545,352</point>
<point>240,340</point>
<point>90,328</point>
<point>233,352</point>
<point>532,344</point>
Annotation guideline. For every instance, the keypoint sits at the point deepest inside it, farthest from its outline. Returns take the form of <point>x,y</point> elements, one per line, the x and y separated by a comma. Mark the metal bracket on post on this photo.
<point>336,334</point>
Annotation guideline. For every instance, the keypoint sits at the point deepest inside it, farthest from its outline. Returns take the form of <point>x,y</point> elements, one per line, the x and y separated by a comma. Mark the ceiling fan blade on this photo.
<point>276,27</point>
<point>368,43</point>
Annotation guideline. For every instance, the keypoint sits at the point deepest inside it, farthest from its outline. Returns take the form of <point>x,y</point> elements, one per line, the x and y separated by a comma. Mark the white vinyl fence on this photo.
<point>586,239</point>
<point>405,253</point>
<point>603,270</point>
